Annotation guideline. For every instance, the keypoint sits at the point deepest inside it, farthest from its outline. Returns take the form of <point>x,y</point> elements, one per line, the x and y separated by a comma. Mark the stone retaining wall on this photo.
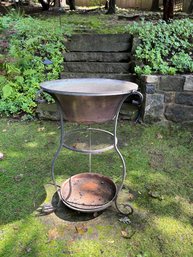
<point>167,98</point>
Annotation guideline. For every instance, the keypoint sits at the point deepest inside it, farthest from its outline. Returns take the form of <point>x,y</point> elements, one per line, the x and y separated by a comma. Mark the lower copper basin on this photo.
<point>89,100</point>
<point>88,192</point>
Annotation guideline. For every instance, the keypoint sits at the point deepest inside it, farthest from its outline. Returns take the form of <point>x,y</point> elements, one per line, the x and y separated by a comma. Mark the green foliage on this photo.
<point>29,42</point>
<point>164,48</point>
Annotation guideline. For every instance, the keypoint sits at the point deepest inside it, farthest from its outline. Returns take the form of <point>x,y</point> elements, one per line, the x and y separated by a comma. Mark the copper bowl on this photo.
<point>89,100</point>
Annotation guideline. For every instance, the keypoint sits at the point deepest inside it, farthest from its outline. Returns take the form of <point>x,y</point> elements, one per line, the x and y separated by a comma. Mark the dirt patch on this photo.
<point>156,159</point>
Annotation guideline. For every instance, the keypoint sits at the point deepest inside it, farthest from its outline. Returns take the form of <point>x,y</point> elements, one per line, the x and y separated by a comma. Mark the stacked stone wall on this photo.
<point>167,98</point>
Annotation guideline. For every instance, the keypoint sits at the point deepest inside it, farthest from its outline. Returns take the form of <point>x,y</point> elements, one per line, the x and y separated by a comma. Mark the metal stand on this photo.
<point>90,152</point>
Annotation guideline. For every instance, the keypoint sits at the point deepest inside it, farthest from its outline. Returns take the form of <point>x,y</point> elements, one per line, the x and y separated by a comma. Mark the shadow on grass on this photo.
<point>28,150</point>
<point>67,214</point>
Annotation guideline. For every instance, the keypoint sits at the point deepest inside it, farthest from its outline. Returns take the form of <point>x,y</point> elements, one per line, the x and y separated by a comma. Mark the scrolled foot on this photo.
<point>125,209</point>
<point>45,209</point>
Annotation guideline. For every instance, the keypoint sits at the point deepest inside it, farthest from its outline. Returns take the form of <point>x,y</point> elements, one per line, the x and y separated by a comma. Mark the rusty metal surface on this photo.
<point>88,192</point>
<point>89,100</point>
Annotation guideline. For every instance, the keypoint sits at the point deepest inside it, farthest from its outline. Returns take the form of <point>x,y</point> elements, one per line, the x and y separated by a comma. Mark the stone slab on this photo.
<point>188,85</point>
<point>150,88</point>
<point>135,44</point>
<point>96,57</point>
<point>100,43</point>
<point>47,111</point>
<point>169,97</point>
<point>152,79</point>
<point>179,113</point>
<point>127,77</point>
<point>154,107</point>
<point>185,98</point>
<point>171,83</point>
<point>96,67</point>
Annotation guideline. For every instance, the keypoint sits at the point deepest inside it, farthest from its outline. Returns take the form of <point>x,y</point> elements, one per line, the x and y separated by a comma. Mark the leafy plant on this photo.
<point>164,48</point>
<point>29,42</point>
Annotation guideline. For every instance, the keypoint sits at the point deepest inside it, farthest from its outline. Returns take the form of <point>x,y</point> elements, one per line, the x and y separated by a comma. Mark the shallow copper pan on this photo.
<point>89,100</point>
<point>88,192</point>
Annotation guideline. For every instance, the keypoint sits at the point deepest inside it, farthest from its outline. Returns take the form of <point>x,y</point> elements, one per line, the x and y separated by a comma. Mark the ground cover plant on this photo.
<point>159,184</point>
<point>26,43</point>
<point>164,48</point>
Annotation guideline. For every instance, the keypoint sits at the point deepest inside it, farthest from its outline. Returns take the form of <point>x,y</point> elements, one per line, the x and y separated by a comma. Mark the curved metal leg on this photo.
<point>126,206</point>
<point>129,209</point>
<point>59,148</point>
<point>138,103</point>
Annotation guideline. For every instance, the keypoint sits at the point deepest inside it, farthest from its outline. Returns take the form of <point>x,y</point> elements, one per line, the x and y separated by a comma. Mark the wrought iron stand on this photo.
<point>89,151</point>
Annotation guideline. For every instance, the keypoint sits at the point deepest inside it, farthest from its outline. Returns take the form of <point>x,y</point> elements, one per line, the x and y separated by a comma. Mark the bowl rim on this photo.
<point>89,87</point>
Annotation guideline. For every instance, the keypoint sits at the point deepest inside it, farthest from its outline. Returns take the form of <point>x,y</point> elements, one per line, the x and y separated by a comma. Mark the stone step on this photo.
<point>97,67</point>
<point>127,77</point>
<point>97,57</point>
<point>99,43</point>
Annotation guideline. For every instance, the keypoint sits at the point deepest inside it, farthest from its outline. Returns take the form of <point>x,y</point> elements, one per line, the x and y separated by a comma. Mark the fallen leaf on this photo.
<point>28,249</point>
<point>4,130</point>
<point>15,227</point>
<point>18,178</point>
<point>74,146</point>
<point>81,229</point>
<point>53,234</point>
<point>41,129</point>
<point>124,234</point>
<point>1,156</point>
<point>159,136</point>
<point>156,194</point>
<point>111,241</point>
<point>127,235</point>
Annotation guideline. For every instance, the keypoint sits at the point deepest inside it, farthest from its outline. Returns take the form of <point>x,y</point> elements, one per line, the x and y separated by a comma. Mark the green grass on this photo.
<point>159,163</point>
<point>80,23</point>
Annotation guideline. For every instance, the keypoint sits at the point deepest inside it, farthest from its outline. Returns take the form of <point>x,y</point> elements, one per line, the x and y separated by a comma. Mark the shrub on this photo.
<point>164,48</point>
<point>28,43</point>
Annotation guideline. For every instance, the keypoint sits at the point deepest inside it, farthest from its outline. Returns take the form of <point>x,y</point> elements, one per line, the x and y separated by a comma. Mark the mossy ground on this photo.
<point>159,185</point>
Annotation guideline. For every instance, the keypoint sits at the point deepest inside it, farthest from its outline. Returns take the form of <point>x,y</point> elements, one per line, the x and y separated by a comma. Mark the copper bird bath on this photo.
<point>89,101</point>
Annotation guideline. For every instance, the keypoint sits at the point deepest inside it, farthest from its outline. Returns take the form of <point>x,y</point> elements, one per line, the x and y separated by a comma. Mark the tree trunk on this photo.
<point>190,8</point>
<point>155,5</point>
<point>72,4</point>
<point>63,3</point>
<point>57,3</point>
<point>107,5</point>
<point>168,12</point>
<point>45,5</point>
<point>111,9</point>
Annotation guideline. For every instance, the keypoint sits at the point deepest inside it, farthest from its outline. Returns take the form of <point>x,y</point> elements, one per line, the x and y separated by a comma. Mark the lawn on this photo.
<point>159,185</point>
